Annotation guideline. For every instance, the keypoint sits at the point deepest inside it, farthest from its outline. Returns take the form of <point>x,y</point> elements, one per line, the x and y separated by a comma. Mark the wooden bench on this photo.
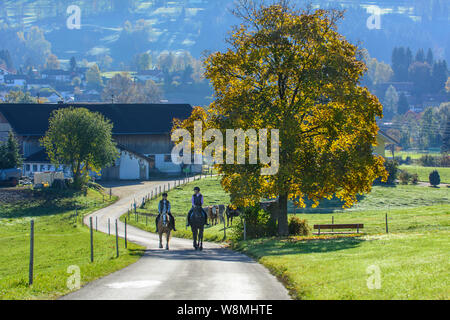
<point>338,227</point>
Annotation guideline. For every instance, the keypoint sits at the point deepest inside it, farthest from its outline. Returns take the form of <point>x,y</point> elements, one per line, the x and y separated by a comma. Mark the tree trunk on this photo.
<point>283,229</point>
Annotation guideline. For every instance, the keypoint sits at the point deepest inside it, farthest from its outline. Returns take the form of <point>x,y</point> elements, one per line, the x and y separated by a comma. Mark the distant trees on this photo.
<point>401,60</point>
<point>446,137</point>
<point>36,47</point>
<point>439,76</point>
<point>427,74</point>
<point>52,62</point>
<point>94,77</point>
<point>10,153</point>
<point>18,96</point>
<point>390,102</point>
<point>125,90</point>
<point>420,76</point>
<point>104,62</point>
<point>403,106</point>
<point>5,57</point>
<point>143,61</point>
<point>425,130</point>
<point>378,72</point>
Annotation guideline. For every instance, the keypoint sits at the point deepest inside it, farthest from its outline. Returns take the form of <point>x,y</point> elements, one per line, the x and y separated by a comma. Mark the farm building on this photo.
<point>141,131</point>
<point>383,140</point>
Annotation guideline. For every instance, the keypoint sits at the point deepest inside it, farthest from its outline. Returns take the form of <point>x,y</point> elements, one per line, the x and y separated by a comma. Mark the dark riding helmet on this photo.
<point>197,189</point>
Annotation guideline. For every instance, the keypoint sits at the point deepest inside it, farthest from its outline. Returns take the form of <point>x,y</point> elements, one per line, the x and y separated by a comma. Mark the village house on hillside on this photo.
<point>141,131</point>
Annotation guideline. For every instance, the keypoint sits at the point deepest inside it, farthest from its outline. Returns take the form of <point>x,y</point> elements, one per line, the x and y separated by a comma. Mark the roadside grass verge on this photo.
<point>60,242</point>
<point>424,172</point>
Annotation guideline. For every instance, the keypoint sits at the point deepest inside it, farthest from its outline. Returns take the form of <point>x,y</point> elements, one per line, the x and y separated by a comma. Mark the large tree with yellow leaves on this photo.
<point>289,69</point>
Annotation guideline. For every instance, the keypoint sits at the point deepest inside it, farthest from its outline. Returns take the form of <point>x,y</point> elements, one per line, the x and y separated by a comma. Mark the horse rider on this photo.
<point>164,207</point>
<point>197,201</point>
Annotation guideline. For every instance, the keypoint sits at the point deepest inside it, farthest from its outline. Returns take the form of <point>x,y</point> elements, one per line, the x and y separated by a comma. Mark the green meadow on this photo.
<point>61,241</point>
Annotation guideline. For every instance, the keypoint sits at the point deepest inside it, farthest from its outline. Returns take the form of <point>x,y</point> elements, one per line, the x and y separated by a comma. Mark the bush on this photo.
<point>298,227</point>
<point>405,177</point>
<point>391,167</point>
<point>258,224</point>
<point>59,184</point>
<point>435,178</point>
<point>415,179</point>
<point>445,161</point>
<point>430,161</point>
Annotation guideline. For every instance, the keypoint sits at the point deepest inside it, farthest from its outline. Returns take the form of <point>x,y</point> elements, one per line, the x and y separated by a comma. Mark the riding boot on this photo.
<point>157,221</point>
<point>172,221</point>
<point>188,218</point>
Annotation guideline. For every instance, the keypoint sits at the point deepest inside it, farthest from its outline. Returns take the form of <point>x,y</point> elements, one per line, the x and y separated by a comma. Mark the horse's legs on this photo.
<point>194,235</point>
<point>160,240</point>
<point>201,238</point>
<point>168,237</point>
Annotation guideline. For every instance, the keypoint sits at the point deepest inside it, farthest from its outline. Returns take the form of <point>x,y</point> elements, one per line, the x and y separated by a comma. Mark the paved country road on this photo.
<point>182,273</point>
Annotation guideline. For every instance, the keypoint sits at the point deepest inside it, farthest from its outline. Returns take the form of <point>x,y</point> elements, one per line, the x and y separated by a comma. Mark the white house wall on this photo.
<point>130,167</point>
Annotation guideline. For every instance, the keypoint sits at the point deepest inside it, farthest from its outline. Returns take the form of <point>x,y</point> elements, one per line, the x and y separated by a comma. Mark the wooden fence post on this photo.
<point>30,274</point>
<point>92,240</point>
<point>96,224</point>
<point>110,193</point>
<point>109,227</point>
<point>126,233</point>
<point>332,222</point>
<point>117,240</point>
<point>387,225</point>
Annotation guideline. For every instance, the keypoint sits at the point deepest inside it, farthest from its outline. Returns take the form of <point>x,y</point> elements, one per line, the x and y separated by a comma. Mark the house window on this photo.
<point>27,167</point>
<point>42,168</point>
<point>35,168</point>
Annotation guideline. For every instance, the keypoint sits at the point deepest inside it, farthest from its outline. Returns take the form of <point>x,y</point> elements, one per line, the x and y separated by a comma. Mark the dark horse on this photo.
<point>197,222</point>
<point>231,213</point>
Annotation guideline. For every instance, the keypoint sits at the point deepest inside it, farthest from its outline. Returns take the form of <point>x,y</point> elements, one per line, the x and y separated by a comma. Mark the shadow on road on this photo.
<point>219,254</point>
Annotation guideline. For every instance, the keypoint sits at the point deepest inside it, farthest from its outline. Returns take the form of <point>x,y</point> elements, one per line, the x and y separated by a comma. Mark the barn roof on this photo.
<point>128,119</point>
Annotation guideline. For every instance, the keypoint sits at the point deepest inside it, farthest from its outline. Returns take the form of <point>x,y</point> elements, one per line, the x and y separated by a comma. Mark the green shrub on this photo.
<point>298,227</point>
<point>404,177</point>
<point>430,161</point>
<point>445,161</point>
<point>415,179</point>
<point>258,224</point>
<point>435,178</point>
<point>392,169</point>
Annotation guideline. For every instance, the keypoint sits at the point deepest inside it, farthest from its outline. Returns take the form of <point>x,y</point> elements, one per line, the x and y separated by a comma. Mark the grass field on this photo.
<point>413,258</point>
<point>412,155</point>
<point>424,172</point>
<point>60,242</point>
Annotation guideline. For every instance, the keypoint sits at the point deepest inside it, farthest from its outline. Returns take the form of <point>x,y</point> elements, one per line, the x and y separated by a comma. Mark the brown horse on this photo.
<point>164,227</point>
<point>213,214</point>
